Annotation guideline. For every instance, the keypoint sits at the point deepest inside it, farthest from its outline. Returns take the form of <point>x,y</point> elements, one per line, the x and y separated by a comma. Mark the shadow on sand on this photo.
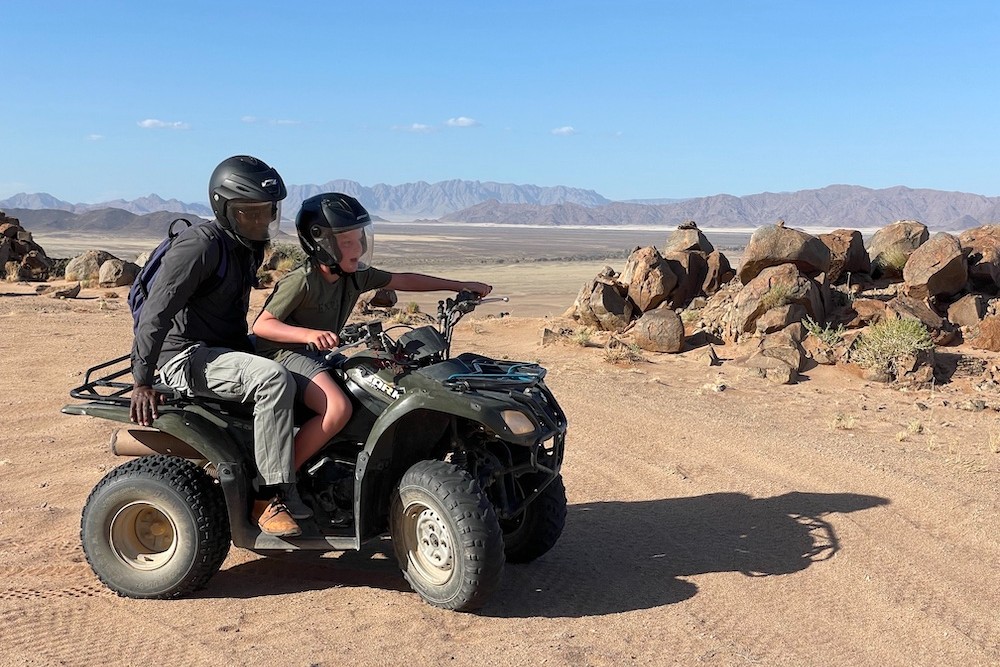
<point>612,556</point>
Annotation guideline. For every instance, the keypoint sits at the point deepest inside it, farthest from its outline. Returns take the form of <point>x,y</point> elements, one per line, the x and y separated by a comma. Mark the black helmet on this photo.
<point>246,194</point>
<point>336,230</point>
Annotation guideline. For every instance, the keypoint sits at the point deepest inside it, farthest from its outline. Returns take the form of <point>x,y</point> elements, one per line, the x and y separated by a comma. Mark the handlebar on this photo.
<point>450,311</point>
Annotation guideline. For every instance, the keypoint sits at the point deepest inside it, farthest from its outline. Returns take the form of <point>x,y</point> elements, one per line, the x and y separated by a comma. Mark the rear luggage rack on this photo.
<point>109,387</point>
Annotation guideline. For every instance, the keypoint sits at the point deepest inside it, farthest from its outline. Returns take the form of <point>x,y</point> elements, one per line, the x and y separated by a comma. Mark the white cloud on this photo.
<point>463,121</point>
<point>270,121</point>
<point>418,128</point>
<point>95,137</point>
<point>153,123</point>
<point>249,119</point>
<point>285,122</point>
<point>565,131</point>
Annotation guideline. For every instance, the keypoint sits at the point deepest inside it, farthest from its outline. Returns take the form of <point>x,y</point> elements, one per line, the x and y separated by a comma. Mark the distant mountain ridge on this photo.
<point>847,206</point>
<point>399,202</point>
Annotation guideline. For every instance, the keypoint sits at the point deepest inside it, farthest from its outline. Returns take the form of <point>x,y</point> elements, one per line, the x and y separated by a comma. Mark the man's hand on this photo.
<point>482,289</point>
<point>145,401</point>
<point>322,340</point>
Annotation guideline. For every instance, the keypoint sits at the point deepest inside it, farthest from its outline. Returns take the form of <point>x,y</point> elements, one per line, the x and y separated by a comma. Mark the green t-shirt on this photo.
<point>304,298</point>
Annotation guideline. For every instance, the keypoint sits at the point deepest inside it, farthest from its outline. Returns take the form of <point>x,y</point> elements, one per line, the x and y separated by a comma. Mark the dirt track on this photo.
<point>833,522</point>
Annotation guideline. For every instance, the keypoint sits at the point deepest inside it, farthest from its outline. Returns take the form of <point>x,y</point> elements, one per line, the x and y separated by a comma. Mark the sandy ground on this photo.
<point>833,522</point>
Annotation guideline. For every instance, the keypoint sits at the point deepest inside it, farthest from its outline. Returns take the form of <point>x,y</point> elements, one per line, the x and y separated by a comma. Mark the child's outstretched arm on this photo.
<point>418,282</point>
<point>270,327</point>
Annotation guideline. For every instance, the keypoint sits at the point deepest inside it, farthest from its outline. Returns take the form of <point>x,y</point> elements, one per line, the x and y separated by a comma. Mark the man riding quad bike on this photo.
<point>456,458</point>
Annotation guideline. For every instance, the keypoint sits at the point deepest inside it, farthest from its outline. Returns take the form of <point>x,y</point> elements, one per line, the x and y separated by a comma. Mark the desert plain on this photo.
<point>714,519</point>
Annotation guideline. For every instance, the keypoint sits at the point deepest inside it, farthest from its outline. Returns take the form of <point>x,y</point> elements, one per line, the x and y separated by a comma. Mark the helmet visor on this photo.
<point>351,248</point>
<point>254,220</point>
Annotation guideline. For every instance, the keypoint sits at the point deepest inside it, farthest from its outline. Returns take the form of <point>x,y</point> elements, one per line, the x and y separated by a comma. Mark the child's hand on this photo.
<point>322,340</point>
<point>482,289</point>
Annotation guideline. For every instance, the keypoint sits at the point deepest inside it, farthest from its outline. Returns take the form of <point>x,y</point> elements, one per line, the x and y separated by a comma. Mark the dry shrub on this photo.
<point>887,342</point>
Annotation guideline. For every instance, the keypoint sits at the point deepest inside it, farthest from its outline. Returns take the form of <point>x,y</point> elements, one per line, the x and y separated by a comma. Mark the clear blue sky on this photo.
<point>103,100</point>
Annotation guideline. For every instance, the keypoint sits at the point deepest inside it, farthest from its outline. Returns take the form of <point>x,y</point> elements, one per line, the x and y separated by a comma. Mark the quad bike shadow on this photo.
<point>624,556</point>
<point>458,459</point>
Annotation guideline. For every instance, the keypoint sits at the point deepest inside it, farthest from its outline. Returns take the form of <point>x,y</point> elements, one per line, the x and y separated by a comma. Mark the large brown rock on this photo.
<point>892,246</point>
<point>774,287</point>
<point>936,269</point>
<point>967,311</point>
<point>989,335</point>
<point>117,273</point>
<point>610,307</point>
<point>87,266</point>
<point>691,269</point>
<point>772,245</point>
<point>688,237</point>
<point>719,272</point>
<point>659,330</point>
<point>982,249</point>
<point>647,278</point>
<point>847,253</point>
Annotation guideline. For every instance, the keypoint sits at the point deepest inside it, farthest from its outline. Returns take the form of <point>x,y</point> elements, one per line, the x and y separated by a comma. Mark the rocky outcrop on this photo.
<point>20,257</point>
<point>647,278</point>
<point>659,330</point>
<point>87,266</point>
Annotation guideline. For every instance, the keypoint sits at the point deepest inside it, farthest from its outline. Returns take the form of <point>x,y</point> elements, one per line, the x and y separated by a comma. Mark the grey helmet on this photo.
<point>246,197</point>
<point>336,230</point>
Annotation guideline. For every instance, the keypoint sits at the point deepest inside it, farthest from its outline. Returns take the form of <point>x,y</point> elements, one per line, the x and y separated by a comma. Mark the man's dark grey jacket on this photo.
<point>180,311</point>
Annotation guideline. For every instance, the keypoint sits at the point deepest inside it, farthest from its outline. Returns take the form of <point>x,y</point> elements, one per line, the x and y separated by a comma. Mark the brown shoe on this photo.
<point>273,518</point>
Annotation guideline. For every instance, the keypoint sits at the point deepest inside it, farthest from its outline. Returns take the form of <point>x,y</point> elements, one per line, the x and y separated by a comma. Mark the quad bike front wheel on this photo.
<point>155,527</point>
<point>537,529</point>
<point>446,536</point>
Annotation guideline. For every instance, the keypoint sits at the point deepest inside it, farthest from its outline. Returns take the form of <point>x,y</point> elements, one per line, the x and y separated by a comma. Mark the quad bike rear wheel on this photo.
<point>536,530</point>
<point>155,527</point>
<point>446,536</point>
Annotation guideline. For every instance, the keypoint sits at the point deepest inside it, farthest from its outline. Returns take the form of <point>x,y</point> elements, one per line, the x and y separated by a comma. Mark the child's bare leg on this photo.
<point>332,408</point>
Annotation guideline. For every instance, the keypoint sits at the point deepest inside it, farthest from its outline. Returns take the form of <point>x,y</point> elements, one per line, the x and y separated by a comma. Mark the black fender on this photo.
<point>209,436</point>
<point>407,432</point>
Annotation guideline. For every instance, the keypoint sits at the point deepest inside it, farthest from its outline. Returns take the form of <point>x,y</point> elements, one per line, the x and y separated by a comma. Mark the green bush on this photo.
<point>775,297</point>
<point>891,262</point>
<point>827,334</point>
<point>889,341</point>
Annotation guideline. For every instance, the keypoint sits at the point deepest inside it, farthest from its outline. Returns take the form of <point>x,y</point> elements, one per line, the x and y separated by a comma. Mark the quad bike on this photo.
<point>456,458</point>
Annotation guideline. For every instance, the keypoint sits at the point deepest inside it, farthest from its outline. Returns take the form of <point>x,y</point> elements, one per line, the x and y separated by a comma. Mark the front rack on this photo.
<point>499,376</point>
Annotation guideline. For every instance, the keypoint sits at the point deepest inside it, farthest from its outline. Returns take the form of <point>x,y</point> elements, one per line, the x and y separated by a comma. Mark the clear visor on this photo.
<point>254,220</point>
<point>351,248</point>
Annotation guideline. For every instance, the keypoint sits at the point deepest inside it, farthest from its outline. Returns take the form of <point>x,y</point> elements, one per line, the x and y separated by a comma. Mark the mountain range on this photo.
<point>847,206</point>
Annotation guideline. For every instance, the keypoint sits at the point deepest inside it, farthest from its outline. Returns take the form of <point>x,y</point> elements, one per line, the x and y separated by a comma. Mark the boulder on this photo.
<point>34,266</point>
<point>778,318</point>
<point>117,273</point>
<point>981,246</point>
<point>719,272</point>
<point>383,298</point>
<point>691,269</point>
<point>936,269</point>
<point>967,311</point>
<point>892,246</point>
<point>686,237</point>
<point>773,245</point>
<point>989,335</point>
<point>774,287</point>
<point>659,330</point>
<point>610,308</point>
<point>847,253</point>
<point>88,265</point>
<point>647,278</point>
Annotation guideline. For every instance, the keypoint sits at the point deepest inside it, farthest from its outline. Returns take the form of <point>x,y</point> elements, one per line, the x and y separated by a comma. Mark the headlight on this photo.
<point>517,422</point>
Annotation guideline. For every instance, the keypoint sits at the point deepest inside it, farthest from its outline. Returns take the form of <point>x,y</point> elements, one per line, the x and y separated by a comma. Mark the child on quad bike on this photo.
<point>311,304</point>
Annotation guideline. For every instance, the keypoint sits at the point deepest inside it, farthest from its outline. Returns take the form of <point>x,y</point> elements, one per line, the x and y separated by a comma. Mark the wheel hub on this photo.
<point>143,536</point>
<point>431,549</point>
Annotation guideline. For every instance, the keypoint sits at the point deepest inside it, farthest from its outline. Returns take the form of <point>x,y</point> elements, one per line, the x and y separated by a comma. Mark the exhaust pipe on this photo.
<point>142,442</point>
